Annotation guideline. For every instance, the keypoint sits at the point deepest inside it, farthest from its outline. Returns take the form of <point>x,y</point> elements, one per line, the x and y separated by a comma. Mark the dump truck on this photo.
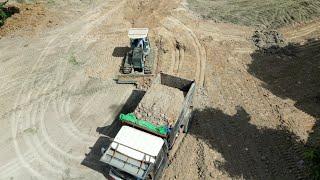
<point>150,135</point>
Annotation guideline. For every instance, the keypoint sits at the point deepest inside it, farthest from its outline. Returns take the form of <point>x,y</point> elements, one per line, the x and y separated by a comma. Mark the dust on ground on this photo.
<point>255,109</point>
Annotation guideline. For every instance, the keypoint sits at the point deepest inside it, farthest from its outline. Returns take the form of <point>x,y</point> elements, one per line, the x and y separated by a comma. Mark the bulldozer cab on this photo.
<point>139,39</point>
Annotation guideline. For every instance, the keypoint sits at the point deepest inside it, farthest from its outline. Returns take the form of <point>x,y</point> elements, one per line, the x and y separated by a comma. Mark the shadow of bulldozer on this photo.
<point>120,51</point>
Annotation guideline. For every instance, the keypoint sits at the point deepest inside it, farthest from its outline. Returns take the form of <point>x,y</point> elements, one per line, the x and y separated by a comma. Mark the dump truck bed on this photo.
<point>164,105</point>
<point>161,105</point>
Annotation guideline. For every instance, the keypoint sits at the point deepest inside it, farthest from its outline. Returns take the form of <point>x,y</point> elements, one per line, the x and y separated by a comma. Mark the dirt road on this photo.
<point>57,88</point>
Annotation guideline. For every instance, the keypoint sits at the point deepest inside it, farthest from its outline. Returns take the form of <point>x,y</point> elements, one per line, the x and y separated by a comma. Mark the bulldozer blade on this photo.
<point>133,78</point>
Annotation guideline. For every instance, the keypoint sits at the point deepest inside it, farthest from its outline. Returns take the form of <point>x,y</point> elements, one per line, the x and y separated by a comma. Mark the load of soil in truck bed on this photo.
<point>161,105</point>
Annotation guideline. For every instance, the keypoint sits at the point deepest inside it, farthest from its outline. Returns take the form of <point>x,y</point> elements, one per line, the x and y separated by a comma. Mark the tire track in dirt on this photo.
<point>17,127</point>
<point>184,59</point>
<point>48,154</point>
<point>14,165</point>
<point>185,48</point>
<point>180,63</point>
<point>166,56</point>
<point>300,32</point>
<point>201,165</point>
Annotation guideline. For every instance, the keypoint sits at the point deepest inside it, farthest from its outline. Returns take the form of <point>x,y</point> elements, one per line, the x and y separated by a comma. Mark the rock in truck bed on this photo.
<point>161,105</point>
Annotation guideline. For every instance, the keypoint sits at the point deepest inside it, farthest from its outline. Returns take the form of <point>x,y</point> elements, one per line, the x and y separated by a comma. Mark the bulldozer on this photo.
<point>137,66</point>
<point>139,59</point>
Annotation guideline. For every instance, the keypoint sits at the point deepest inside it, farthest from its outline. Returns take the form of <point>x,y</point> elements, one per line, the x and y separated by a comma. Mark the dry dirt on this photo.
<point>269,13</point>
<point>254,111</point>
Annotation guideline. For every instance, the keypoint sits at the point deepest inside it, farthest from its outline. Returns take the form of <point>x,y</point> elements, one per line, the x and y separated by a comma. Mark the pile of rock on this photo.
<point>269,41</point>
<point>161,105</point>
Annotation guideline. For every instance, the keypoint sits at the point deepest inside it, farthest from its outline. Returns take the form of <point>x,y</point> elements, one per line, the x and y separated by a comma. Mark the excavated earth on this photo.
<point>256,106</point>
<point>161,105</point>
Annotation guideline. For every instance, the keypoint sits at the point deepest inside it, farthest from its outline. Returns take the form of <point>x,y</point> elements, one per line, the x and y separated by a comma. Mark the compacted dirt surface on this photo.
<point>255,110</point>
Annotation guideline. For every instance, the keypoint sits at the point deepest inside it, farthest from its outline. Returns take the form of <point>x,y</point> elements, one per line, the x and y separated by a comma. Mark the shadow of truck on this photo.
<point>92,159</point>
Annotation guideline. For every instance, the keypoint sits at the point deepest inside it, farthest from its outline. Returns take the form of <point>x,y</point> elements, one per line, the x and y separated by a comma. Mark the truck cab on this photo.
<point>135,154</point>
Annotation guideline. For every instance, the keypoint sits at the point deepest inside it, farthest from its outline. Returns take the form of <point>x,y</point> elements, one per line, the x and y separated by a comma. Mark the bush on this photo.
<point>3,14</point>
<point>6,12</point>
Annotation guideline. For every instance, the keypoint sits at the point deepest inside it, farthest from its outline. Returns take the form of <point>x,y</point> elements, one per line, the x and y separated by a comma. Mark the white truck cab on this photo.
<point>133,151</point>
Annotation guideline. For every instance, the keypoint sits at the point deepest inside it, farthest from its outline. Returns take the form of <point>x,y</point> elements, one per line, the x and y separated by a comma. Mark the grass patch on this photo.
<point>268,13</point>
<point>73,60</point>
<point>31,130</point>
<point>51,2</point>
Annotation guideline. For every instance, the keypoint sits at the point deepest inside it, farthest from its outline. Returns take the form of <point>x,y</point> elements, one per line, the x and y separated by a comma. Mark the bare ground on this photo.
<point>270,13</point>
<point>254,111</point>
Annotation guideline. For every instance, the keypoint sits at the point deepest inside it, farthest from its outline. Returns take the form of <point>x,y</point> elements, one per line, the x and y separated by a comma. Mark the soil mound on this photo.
<point>161,105</point>
<point>268,40</point>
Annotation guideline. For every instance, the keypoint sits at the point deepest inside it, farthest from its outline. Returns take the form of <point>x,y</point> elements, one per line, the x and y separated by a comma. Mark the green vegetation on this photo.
<point>6,12</point>
<point>269,13</point>
<point>73,60</point>
<point>3,14</point>
<point>31,130</point>
<point>51,2</point>
<point>313,157</point>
